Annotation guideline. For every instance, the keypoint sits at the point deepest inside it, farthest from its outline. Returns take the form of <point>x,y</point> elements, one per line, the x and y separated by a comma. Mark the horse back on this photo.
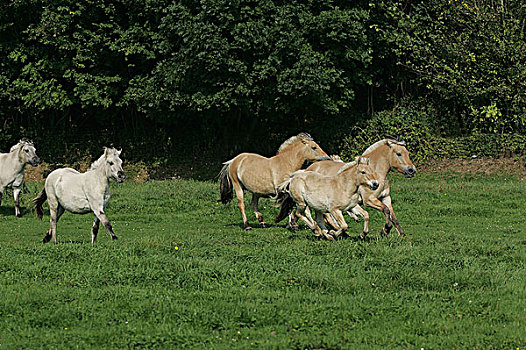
<point>256,173</point>
<point>326,167</point>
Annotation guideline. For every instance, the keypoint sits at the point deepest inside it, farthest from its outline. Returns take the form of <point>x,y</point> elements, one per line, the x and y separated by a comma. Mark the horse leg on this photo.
<point>102,217</point>
<point>300,213</point>
<point>241,203</point>
<point>321,230</point>
<point>376,204</point>
<point>94,229</point>
<point>293,222</point>
<point>357,210</point>
<point>259,216</point>
<point>331,220</point>
<point>16,196</point>
<point>387,202</point>
<point>1,195</point>
<point>55,212</point>
<point>340,222</point>
<point>354,212</point>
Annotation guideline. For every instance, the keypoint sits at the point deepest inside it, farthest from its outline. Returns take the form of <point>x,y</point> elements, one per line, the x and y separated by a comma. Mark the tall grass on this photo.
<point>184,274</point>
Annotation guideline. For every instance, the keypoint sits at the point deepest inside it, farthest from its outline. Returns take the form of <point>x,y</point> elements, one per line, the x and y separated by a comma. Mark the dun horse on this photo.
<point>328,194</point>
<point>261,175</point>
<point>81,193</point>
<point>385,155</point>
<point>12,169</point>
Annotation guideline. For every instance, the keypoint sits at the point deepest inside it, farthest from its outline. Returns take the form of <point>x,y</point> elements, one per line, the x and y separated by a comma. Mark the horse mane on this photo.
<point>346,166</point>
<point>292,139</point>
<point>380,143</point>
<point>98,162</point>
<point>20,144</point>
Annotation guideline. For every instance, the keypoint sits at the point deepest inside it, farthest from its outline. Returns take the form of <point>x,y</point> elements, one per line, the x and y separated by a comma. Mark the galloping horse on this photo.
<point>81,193</point>
<point>261,175</point>
<point>327,194</point>
<point>385,155</point>
<point>12,169</point>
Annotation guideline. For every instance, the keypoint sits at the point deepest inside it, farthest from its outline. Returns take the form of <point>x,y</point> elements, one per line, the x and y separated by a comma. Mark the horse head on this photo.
<point>399,158</point>
<point>27,153</point>
<point>113,164</point>
<point>311,150</point>
<point>365,174</point>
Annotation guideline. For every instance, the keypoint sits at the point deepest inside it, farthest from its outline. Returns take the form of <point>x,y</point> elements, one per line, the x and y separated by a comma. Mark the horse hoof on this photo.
<point>18,215</point>
<point>46,239</point>
<point>362,236</point>
<point>263,225</point>
<point>293,227</point>
<point>248,228</point>
<point>114,238</point>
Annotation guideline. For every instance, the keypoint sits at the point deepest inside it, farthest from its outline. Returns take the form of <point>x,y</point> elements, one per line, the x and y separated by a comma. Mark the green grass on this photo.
<point>456,282</point>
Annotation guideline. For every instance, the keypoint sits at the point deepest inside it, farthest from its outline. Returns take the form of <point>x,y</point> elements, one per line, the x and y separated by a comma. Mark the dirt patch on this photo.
<point>480,166</point>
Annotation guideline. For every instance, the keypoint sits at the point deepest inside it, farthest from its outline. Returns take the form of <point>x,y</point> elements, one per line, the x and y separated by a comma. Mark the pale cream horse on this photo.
<point>261,175</point>
<point>12,169</point>
<point>385,155</point>
<point>327,194</point>
<point>81,193</point>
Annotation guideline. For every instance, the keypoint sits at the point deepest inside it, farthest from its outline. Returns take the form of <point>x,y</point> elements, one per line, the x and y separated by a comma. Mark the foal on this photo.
<point>327,194</point>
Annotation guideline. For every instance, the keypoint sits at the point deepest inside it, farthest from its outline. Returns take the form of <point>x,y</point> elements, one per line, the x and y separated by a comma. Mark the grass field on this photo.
<point>184,274</point>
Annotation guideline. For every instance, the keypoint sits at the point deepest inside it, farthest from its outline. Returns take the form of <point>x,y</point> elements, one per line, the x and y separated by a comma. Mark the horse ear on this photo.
<point>389,143</point>
<point>119,152</point>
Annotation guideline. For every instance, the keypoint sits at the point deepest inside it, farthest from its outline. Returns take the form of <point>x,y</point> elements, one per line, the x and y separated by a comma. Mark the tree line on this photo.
<point>214,77</point>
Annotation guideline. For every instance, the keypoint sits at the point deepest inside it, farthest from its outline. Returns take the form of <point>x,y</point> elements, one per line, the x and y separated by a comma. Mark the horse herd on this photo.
<point>329,187</point>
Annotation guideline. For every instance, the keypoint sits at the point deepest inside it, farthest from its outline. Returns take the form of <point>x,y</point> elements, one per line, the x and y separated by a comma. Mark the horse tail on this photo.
<point>38,201</point>
<point>225,188</point>
<point>284,200</point>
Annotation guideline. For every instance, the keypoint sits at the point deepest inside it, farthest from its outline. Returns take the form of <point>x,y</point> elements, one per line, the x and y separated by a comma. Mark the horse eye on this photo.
<point>314,148</point>
<point>111,163</point>
<point>26,150</point>
<point>399,154</point>
<point>363,172</point>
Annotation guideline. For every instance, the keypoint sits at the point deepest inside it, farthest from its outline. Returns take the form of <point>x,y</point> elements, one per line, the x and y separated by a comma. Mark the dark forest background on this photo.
<point>177,81</point>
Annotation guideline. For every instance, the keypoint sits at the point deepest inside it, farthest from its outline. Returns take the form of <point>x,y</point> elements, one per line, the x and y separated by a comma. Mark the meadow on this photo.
<point>184,274</point>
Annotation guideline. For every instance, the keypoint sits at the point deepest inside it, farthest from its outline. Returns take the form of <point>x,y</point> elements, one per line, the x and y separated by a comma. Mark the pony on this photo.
<point>12,169</point>
<point>385,155</point>
<point>261,176</point>
<point>327,194</point>
<point>81,193</point>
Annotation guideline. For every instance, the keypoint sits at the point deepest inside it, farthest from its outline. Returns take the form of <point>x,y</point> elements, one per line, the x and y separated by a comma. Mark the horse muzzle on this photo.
<point>373,185</point>
<point>121,176</point>
<point>410,171</point>
<point>35,161</point>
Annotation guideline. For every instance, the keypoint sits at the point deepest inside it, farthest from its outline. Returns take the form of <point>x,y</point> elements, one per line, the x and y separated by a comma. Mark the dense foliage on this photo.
<point>215,77</point>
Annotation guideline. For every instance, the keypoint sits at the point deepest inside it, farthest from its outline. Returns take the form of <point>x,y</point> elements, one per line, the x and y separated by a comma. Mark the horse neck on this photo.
<point>16,165</point>
<point>99,173</point>
<point>379,161</point>
<point>347,179</point>
<point>292,158</point>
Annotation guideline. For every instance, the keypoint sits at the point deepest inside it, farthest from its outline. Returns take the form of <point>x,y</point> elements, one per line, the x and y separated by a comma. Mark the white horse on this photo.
<point>12,168</point>
<point>81,193</point>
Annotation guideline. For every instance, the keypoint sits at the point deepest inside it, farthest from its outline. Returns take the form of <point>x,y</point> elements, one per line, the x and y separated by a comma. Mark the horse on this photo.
<point>261,176</point>
<point>327,194</point>
<point>81,193</point>
<point>385,155</point>
<point>12,169</point>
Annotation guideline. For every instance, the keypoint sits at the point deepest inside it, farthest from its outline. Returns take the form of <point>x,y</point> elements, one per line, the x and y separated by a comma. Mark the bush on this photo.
<point>415,127</point>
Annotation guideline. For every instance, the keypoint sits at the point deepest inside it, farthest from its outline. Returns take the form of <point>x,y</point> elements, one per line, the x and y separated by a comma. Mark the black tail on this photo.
<point>38,201</point>
<point>286,204</point>
<point>225,187</point>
